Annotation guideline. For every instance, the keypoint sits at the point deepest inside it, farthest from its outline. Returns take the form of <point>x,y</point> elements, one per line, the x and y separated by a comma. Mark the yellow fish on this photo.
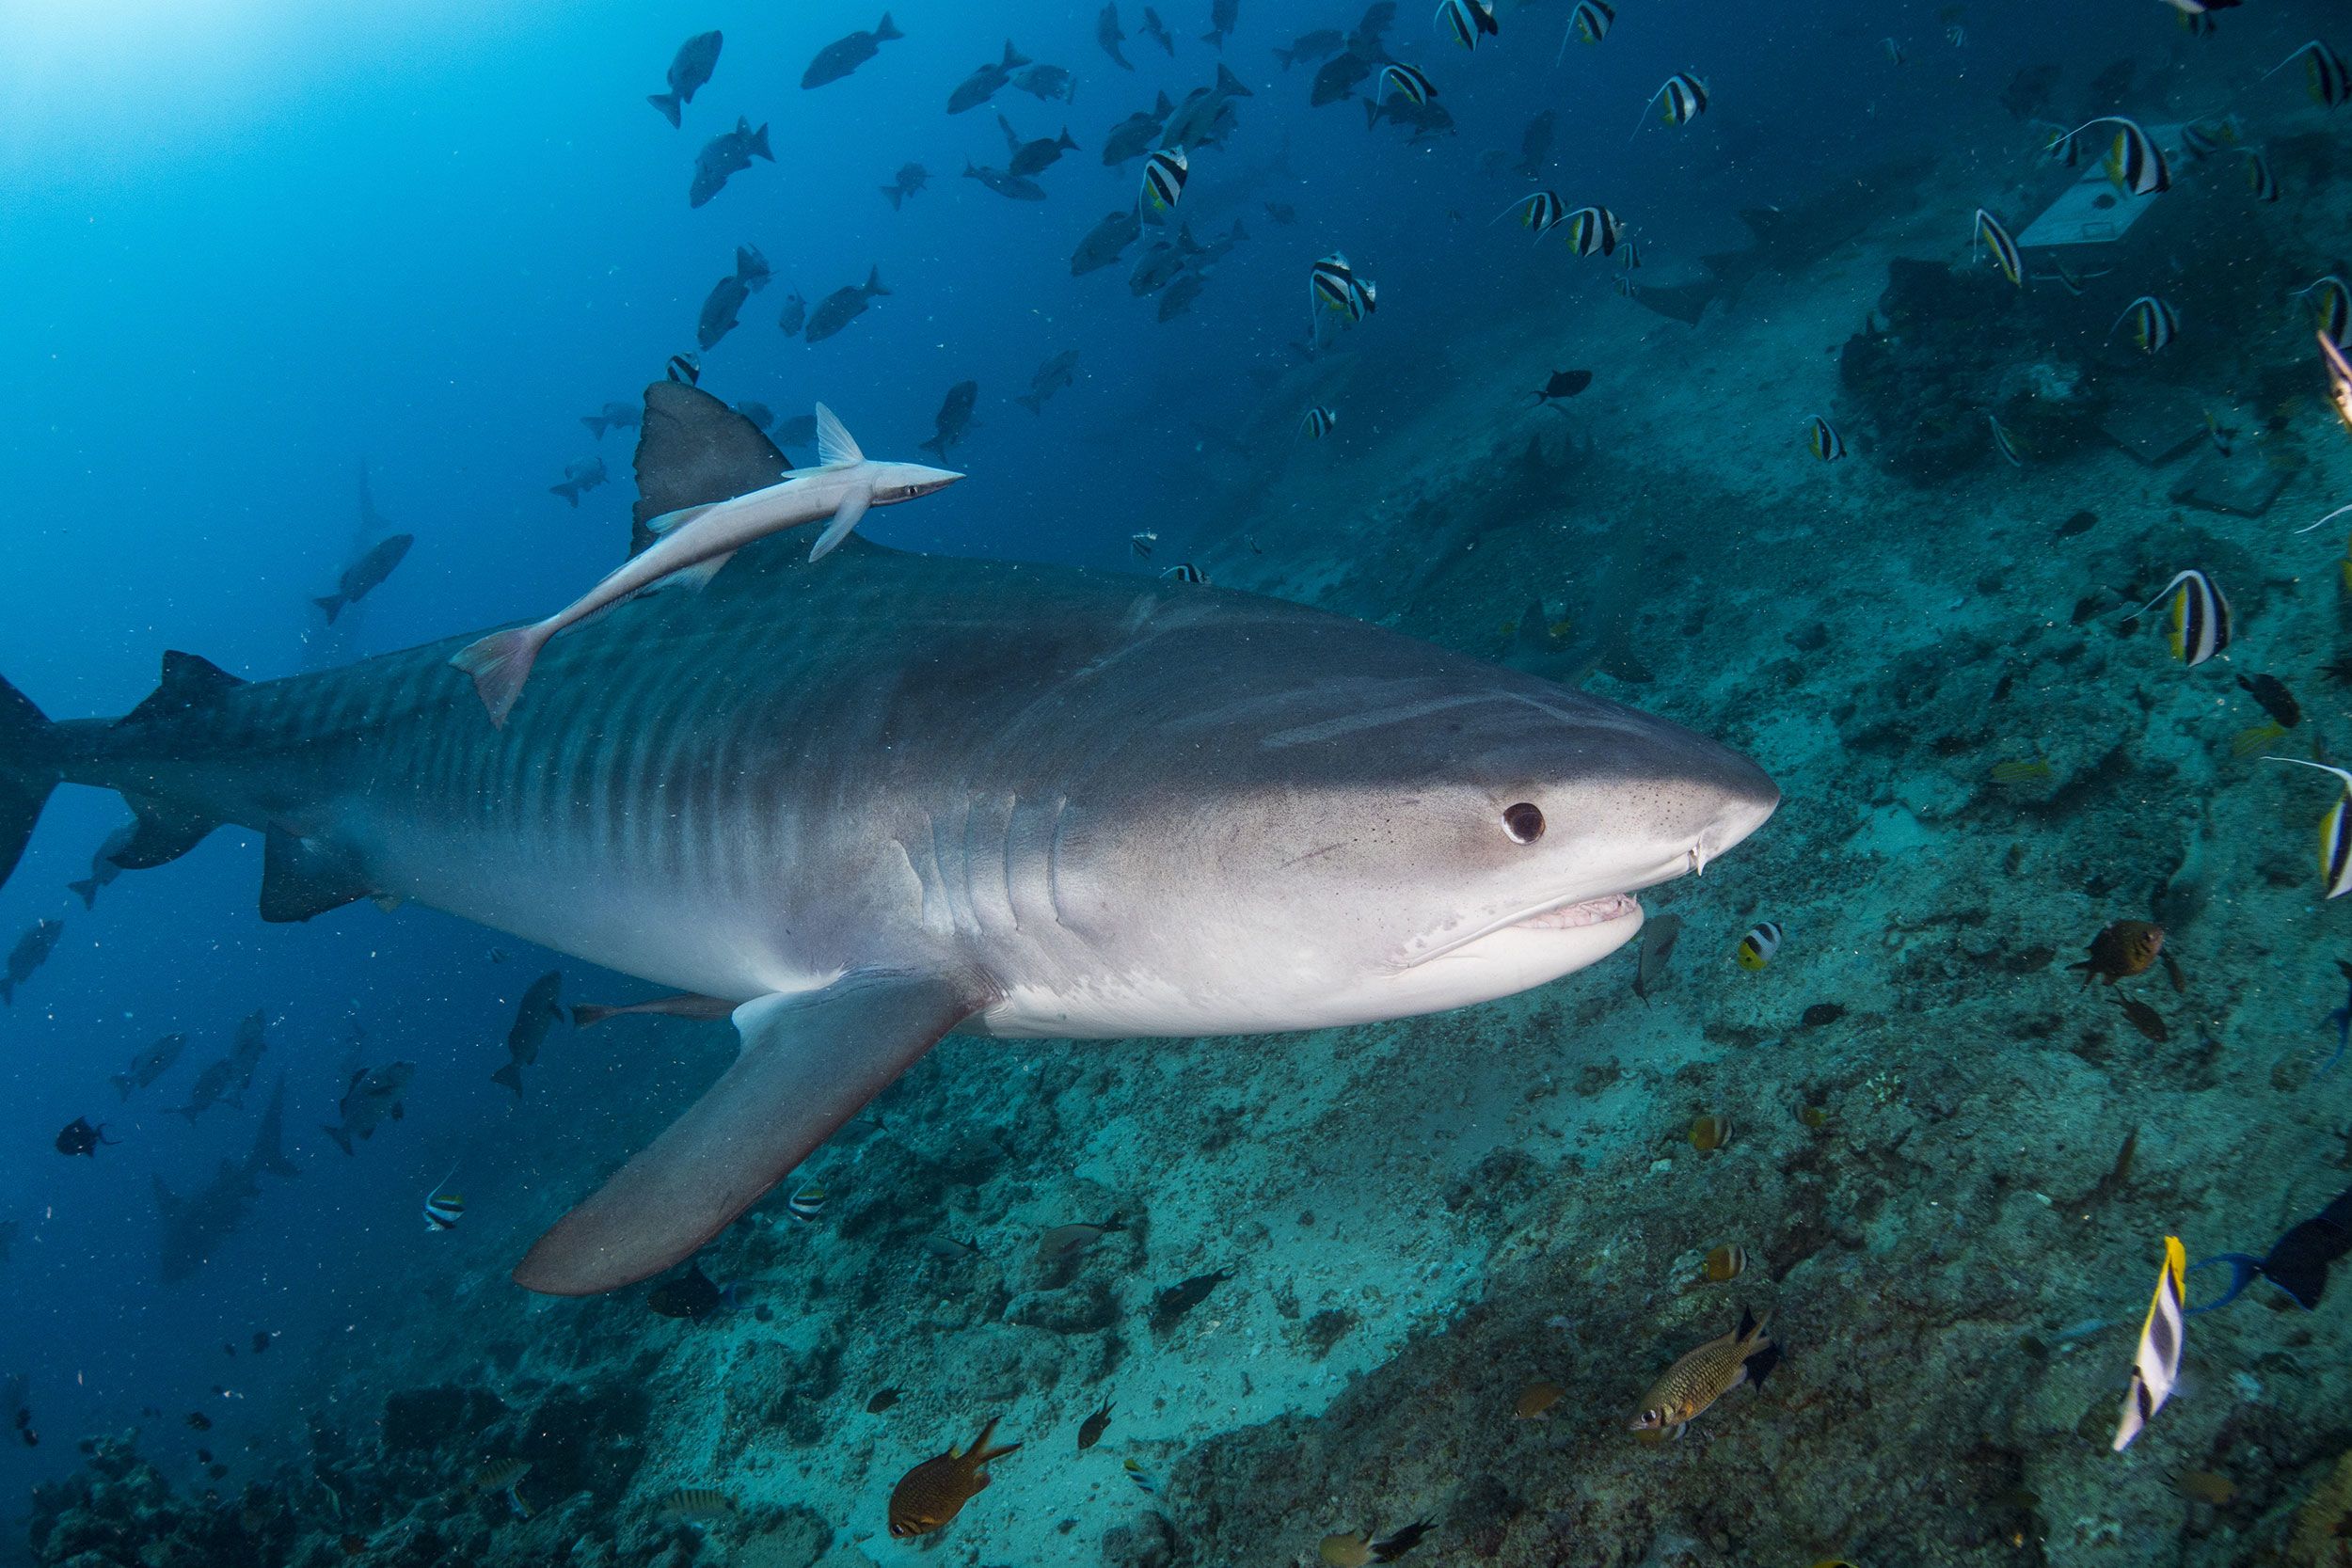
<point>1707,1374</point>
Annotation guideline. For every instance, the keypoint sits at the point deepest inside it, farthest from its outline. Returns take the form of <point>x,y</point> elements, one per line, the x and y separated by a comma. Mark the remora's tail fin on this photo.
<point>27,772</point>
<point>499,664</point>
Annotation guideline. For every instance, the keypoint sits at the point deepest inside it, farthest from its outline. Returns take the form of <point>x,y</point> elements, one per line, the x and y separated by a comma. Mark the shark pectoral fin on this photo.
<point>846,516</point>
<point>301,877</point>
<point>809,1061</point>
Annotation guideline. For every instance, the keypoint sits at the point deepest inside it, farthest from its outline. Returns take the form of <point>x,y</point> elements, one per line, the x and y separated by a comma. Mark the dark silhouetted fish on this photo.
<point>690,1296</point>
<point>719,308</point>
<point>986,81</point>
<point>244,1055</point>
<point>102,867</point>
<point>1311,46</point>
<point>800,430</point>
<point>1222,15</point>
<point>752,267</point>
<point>911,178</point>
<point>580,477</point>
<point>1047,82</point>
<point>794,317</point>
<point>1156,30</point>
<point>1033,157</point>
<point>79,1138</point>
<point>1561,383</point>
<point>690,68</point>
<point>842,56</point>
<point>148,1065</point>
<point>1178,296</point>
<point>268,1152</point>
<point>372,1096</point>
<point>1107,34</point>
<point>1426,119</point>
<point>1195,121</point>
<point>1161,263</point>
<point>366,573</point>
<point>1105,242</point>
<point>1004,185</point>
<point>210,1088</point>
<point>843,306</point>
<point>540,1008</point>
<point>1336,78</point>
<point>613,415</point>
<point>954,417</point>
<point>1051,377</point>
<point>31,951</point>
<point>1536,145</point>
<point>1132,137</point>
<point>194,1226</point>
<point>758,413</point>
<point>724,157</point>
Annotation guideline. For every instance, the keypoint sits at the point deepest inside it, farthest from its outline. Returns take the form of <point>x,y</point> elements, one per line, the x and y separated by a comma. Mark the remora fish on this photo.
<point>696,59</point>
<point>365,575</point>
<point>692,543</point>
<point>896,797</point>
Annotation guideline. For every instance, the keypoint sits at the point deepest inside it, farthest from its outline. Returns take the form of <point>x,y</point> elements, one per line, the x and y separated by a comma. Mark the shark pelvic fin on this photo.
<point>809,1061</point>
<point>301,877</point>
<point>163,833</point>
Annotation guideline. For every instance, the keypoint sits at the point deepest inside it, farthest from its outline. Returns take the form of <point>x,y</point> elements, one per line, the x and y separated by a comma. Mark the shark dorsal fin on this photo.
<point>835,447</point>
<point>187,681</point>
<point>693,451</point>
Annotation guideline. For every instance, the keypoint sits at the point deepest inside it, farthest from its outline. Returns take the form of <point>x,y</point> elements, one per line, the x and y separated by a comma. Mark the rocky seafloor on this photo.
<point>1341,1258</point>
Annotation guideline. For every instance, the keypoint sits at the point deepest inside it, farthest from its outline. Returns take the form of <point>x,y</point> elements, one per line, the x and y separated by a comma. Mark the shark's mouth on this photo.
<point>1547,917</point>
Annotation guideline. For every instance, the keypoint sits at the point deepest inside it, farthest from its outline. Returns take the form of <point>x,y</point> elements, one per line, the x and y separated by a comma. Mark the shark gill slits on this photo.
<point>1524,821</point>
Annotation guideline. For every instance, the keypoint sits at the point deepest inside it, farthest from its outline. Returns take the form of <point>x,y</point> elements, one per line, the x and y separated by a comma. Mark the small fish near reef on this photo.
<point>443,1209</point>
<point>2335,832</point>
<point>1091,1429</point>
<point>1822,440</point>
<point>2200,617</point>
<point>1067,1240</point>
<point>1685,98</point>
<point>697,1505</point>
<point>1724,1264</point>
<point>2156,1366</point>
<point>1702,1376</point>
<point>1756,949</point>
<point>1357,1548</point>
<point>2155,324</point>
<point>2121,951</point>
<point>505,1475</point>
<point>1659,936</point>
<point>1316,424</point>
<point>2271,693</point>
<point>1998,244</point>
<point>936,1491</point>
<point>1535,1402</point>
<point>1709,1132</point>
<point>1561,385</point>
<point>79,1138</point>
<point>2143,1018</point>
<point>691,1297</point>
<point>806,1203</point>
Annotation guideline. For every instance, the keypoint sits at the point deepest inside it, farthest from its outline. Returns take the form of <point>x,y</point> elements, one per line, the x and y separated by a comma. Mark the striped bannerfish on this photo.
<point>1188,573</point>
<point>1590,21</point>
<point>1757,948</point>
<point>2003,248</point>
<point>2259,178</point>
<point>2335,832</point>
<point>1398,77</point>
<point>2325,76</point>
<point>806,1203</point>
<point>1822,437</point>
<point>1538,213</point>
<point>2135,162</point>
<point>2063,147</point>
<point>1632,255</point>
<point>1164,175</point>
<point>1594,232</point>
<point>442,1210</point>
<point>2333,309</point>
<point>2156,1366</point>
<point>2338,377</point>
<point>2201,143</point>
<point>2155,324</point>
<point>2005,441</point>
<point>1686,100</point>
<point>2200,617</point>
<point>1333,284</point>
<point>1467,19</point>
<point>1894,50</point>
<point>686,369</point>
<point>1317,423</point>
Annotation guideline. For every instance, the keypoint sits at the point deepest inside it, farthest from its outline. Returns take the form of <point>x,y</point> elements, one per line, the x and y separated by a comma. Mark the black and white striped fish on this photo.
<point>2332,307</point>
<point>1823,439</point>
<point>2200,617</point>
<point>1399,78</point>
<point>1317,422</point>
<point>1538,213</point>
<point>1591,20</point>
<point>1685,97</point>
<point>2324,74</point>
<point>2155,324</point>
<point>2134,160</point>
<point>2200,143</point>
<point>2157,1365</point>
<point>1632,254</point>
<point>1464,20</point>
<point>806,1203</point>
<point>2335,832</point>
<point>1331,283</point>
<point>2259,179</point>
<point>1186,573</point>
<point>2339,378</point>
<point>2003,440</point>
<point>1594,232</point>
<point>2003,248</point>
<point>1164,175</point>
<point>686,368</point>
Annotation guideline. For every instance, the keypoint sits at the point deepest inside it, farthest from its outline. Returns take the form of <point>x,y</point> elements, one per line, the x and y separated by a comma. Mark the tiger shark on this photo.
<point>882,798</point>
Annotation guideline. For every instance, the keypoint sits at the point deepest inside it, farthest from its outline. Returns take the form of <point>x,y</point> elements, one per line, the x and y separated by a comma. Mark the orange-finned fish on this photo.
<point>1707,1374</point>
<point>934,1491</point>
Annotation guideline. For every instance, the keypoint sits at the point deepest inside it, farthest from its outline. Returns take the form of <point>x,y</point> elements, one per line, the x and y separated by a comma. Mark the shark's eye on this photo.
<point>1523,822</point>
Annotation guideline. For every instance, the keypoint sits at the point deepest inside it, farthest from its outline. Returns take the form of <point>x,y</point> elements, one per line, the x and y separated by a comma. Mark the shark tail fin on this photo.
<point>886,30</point>
<point>499,664</point>
<point>668,104</point>
<point>27,772</point>
<point>88,890</point>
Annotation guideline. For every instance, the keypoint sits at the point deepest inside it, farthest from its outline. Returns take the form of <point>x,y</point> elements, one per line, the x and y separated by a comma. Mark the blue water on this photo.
<point>251,247</point>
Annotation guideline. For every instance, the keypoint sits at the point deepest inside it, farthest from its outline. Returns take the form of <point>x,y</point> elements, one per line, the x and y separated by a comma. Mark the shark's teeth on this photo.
<point>1593,912</point>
